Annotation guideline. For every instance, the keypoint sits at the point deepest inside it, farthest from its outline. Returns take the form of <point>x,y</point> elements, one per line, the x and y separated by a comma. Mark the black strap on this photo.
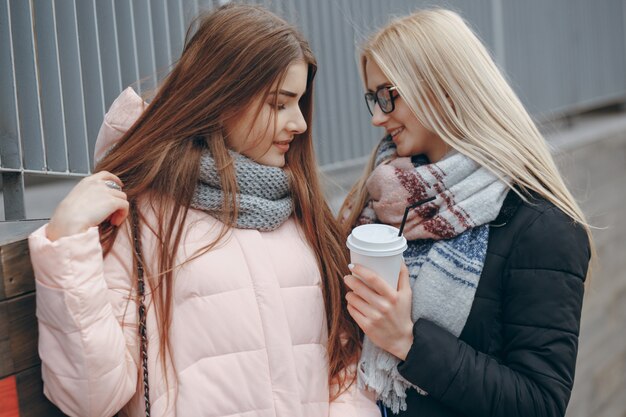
<point>141,290</point>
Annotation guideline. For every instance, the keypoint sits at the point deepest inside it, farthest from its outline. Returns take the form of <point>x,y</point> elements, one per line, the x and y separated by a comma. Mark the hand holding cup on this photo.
<point>383,313</point>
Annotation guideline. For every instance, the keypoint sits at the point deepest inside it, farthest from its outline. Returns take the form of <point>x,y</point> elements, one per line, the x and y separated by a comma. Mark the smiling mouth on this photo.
<point>396,132</point>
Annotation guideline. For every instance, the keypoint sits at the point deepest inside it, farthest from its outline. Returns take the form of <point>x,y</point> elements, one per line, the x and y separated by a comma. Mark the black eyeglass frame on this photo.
<point>375,99</point>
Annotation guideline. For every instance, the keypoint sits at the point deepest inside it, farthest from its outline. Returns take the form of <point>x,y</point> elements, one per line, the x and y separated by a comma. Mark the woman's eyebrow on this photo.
<point>385,84</point>
<point>284,93</point>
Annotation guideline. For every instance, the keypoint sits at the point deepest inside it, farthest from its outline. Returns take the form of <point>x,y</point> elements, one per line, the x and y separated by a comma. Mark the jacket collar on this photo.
<point>510,205</point>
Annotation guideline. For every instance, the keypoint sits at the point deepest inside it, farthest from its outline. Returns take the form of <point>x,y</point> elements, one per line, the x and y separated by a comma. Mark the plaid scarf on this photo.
<point>447,245</point>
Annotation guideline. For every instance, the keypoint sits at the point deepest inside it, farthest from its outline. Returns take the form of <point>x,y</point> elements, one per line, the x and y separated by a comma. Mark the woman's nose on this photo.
<point>298,124</point>
<point>378,117</point>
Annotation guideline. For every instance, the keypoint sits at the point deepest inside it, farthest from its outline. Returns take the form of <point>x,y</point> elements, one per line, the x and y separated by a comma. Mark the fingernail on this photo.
<point>351,267</point>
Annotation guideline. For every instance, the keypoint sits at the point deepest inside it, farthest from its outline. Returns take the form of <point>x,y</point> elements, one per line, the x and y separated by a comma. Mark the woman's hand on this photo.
<point>89,203</point>
<point>382,313</point>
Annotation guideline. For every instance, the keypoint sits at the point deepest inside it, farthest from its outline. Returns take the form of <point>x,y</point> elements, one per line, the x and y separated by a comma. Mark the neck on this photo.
<point>439,152</point>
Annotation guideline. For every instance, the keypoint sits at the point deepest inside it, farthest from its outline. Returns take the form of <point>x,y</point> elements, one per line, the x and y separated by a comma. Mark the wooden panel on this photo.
<point>6,356</point>
<point>18,334</point>
<point>16,271</point>
<point>32,402</point>
<point>8,398</point>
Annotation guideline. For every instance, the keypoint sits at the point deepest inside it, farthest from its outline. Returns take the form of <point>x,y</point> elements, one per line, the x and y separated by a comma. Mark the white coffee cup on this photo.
<point>379,248</point>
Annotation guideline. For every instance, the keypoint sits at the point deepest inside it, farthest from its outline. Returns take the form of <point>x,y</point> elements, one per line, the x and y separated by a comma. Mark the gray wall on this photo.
<point>62,63</point>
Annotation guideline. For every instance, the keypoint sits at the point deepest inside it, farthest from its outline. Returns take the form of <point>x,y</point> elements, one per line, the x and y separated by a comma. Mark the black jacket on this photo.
<point>517,352</point>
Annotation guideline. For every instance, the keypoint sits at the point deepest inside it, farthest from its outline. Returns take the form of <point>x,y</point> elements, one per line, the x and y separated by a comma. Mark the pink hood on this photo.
<point>123,113</point>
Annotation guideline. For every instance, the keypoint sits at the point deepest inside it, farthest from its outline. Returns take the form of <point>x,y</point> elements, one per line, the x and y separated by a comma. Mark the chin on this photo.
<point>277,161</point>
<point>409,150</point>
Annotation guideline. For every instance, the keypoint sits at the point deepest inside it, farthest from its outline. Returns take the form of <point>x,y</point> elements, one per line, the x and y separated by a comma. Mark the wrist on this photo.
<point>55,231</point>
<point>403,344</point>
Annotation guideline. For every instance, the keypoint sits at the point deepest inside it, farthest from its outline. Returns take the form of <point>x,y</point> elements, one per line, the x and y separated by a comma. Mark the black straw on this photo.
<point>412,206</point>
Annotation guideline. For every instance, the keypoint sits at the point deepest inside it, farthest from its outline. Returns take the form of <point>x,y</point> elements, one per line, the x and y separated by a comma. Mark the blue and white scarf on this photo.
<point>446,250</point>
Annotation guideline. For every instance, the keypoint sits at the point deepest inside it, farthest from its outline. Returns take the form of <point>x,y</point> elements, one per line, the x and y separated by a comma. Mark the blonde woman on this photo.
<point>485,318</point>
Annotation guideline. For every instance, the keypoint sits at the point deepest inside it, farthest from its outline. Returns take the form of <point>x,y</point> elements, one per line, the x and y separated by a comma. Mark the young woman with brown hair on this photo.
<point>221,293</point>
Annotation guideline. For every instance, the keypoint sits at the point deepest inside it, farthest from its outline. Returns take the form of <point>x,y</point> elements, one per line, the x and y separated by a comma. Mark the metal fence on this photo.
<point>63,62</point>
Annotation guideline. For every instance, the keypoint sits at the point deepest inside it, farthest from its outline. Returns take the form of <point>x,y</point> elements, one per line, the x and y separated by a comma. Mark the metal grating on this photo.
<point>63,62</point>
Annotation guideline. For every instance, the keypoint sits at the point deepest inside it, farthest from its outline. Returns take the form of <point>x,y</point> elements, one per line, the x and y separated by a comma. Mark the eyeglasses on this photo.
<point>384,97</point>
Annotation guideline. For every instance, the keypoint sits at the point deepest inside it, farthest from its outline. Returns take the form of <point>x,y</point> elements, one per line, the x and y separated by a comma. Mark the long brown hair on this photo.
<point>236,54</point>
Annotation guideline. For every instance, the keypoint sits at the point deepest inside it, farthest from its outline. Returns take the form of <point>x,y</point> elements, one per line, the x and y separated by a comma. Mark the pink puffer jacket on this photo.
<point>248,330</point>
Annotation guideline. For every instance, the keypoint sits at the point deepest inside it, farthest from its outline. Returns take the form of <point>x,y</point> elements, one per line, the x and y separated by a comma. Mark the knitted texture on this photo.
<point>263,197</point>
<point>446,250</point>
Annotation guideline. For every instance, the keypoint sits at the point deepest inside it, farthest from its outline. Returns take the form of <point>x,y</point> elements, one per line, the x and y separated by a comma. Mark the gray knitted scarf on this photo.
<point>446,250</point>
<point>264,197</point>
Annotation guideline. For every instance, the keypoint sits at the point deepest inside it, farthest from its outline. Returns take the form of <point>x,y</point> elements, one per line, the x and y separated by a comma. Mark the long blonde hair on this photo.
<point>447,78</point>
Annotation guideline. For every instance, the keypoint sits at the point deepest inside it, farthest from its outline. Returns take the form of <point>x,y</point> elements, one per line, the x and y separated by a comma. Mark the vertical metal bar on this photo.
<point>351,85</point>
<point>196,9</point>
<point>376,16</point>
<point>89,53</point>
<point>360,138</point>
<point>27,85</point>
<point>72,86</point>
<point>291,14</point>
<point>498,33</point>
<point>275,6</point>
<point>162,44</point>
<point>623,53</point>
<point>347,77</point>
<point>190,9</point>
<point>183,24</point>
<point>144,38</point>
<point>109,52</point>
<point>126,43</point>
<point>177,28</point>
<point>336,149</point>
<point>322,131</point>
<point>10,147</point>
<point>13,194</point>
<point>50,80</point>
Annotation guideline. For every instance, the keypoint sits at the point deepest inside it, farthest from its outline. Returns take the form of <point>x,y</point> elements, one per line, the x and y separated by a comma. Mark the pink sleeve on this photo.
<point>89,360</point>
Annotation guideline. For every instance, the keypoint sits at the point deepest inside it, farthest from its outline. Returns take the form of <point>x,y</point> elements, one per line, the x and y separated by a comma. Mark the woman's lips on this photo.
<point>282,146</point>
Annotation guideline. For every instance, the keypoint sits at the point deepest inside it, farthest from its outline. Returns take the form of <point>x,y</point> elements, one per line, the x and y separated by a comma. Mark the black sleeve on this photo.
<point>541,304</point>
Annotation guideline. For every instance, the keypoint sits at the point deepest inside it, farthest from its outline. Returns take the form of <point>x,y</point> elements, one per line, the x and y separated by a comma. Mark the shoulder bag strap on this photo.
<point>141,290</point>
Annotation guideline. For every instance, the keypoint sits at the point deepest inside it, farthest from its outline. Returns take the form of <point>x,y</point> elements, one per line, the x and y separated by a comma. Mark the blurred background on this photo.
<point>63,62</point>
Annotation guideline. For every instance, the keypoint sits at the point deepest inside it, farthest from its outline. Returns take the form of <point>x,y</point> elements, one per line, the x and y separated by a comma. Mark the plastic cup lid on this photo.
<point>376,240</point>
